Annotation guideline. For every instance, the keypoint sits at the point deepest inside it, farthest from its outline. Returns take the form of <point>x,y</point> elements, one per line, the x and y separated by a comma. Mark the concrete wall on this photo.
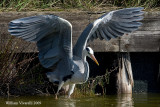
<point>146,39</point>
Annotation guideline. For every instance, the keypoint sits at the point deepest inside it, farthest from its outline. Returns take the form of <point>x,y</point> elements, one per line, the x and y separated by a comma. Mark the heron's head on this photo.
<point>90,53</point>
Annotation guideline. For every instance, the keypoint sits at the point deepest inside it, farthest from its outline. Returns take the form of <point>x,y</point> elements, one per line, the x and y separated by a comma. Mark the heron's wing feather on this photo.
<point>111,25</point>
<point>52,34</point>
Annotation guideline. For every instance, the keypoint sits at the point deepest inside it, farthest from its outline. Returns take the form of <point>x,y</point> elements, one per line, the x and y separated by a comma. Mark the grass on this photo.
<point>25,5</point>
<point>132,3</point>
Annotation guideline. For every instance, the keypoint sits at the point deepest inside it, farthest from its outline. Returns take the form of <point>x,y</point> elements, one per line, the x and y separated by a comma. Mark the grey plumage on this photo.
<point>53,36</point>
<point>46,31</point>
<point>112,24</point>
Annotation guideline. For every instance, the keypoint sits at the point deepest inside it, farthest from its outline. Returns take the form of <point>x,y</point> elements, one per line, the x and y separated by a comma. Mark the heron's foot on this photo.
<point>56,96</point>
<point>68,97</point>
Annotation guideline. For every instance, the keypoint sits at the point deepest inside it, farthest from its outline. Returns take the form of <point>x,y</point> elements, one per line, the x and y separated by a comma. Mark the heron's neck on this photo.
<point>82,41</point>
<point>84,55</point>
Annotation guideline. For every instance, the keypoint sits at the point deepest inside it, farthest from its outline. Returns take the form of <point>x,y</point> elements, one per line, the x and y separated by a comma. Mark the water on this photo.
<point>136,100</point>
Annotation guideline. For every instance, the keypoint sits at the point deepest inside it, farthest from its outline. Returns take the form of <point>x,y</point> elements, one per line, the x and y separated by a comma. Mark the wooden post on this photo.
<point>124,76</point>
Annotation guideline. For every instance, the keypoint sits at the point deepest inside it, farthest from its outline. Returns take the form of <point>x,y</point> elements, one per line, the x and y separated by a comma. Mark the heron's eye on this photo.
<point>87,49</point>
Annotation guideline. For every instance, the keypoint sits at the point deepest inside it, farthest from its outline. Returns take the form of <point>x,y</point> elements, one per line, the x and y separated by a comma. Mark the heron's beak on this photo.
<point>94,59</point>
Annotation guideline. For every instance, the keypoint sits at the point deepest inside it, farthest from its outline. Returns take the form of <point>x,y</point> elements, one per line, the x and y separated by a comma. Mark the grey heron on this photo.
<point>53,37</point>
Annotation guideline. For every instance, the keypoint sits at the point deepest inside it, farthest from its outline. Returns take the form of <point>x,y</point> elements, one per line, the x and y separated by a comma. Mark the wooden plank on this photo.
<point>146,39</point>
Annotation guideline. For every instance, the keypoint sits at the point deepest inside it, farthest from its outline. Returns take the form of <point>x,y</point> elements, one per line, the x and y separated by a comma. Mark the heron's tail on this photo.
<point>52,77</point>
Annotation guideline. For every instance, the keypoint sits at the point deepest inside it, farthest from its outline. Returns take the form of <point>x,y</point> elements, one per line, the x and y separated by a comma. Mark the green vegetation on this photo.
<point>24,5</point>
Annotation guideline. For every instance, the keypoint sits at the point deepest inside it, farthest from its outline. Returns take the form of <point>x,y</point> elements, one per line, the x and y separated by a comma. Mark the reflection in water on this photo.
<point>125,100</point>
<point>65,102</point>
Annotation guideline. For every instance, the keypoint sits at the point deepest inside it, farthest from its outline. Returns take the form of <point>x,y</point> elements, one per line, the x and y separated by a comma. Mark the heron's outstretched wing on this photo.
<point>52,34</point>
<point>111,25</point>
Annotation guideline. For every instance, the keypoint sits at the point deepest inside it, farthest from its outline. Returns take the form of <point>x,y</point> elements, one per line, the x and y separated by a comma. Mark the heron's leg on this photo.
<point>71,89</point>
<point>59,87</point>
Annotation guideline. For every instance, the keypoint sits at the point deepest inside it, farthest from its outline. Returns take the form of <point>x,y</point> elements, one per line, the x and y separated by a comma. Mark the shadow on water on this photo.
<point>126,100</point>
